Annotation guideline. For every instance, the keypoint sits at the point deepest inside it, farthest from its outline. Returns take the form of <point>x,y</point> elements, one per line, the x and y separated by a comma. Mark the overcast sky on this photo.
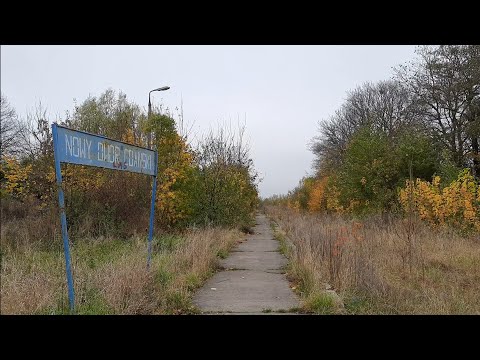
<point>279,92</point>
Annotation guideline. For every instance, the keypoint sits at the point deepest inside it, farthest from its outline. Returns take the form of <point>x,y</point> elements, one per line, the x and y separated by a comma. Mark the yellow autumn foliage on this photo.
<point>333,199</point>
<point>457,204</point>
<point>171,200</point>
<point>15,182</point>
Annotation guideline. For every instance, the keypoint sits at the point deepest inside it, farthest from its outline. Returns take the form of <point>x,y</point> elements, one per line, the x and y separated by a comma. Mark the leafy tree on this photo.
<point>375,166</point>
<point>229,180</point>
<point>368,174</point>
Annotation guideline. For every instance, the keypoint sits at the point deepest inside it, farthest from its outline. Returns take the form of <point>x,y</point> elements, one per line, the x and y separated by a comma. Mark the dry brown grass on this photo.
<point>26,287</point>
<point>125,285</point>
<point>189,265</point>
<point>383,265</point>
<point>25,233</point>
<point>110,275</point>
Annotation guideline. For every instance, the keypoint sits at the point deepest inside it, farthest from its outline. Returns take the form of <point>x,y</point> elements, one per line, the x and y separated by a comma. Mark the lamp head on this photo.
<point>162,88</point>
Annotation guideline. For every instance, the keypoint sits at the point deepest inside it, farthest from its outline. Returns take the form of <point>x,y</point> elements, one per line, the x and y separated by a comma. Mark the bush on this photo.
<point>457,204</point>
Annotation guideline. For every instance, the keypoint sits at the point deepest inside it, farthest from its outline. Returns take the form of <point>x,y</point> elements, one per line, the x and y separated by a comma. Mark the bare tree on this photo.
<point>445,84</point>
<point>222,157</point>
<point>9,127</point>
<point>386,107</point>
<point>34,136</point>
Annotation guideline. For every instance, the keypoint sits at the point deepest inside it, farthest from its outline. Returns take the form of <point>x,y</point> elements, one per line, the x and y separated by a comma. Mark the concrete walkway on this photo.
<point>253,281</point>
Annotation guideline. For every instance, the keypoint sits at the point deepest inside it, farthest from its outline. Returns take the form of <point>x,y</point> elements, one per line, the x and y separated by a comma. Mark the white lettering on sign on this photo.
<point>100,151</point>
<point>75,153</point>
<point>132,158</point>
<point>127,157</point>
<point>110,154</point>
<point>77,147</point>
<point>82,148</point>
<point>89,144</point>
<point>138,159</point>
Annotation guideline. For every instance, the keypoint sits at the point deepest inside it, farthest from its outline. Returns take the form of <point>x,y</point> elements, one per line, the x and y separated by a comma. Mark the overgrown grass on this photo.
<point>320,303</point>
<point>281,238</point>
<point>380,265</point>
<point>110,276</point>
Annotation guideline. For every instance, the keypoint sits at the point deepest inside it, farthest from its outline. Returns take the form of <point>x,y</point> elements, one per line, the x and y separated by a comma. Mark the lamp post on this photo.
<point>149,135</point>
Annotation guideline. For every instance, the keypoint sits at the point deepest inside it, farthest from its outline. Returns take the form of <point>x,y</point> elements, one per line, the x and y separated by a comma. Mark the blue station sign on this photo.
<point>78,147</point>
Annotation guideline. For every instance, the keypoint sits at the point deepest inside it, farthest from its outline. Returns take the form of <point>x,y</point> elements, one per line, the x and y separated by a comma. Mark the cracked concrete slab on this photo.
<point>255,260</point>
<point>245,291</point>
<point>258,245</point>
<point>257,286</point>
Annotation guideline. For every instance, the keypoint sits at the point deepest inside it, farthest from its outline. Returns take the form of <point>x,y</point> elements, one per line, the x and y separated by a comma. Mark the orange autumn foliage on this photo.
<point>318,196</point>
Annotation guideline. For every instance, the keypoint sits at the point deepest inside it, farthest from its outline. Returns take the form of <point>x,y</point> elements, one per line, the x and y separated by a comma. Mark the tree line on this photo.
<point>212,182</point>
<point>420,128</point>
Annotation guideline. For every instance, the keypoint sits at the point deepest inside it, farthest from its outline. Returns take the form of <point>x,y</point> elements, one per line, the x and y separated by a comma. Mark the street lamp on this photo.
<point>150,111</point>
